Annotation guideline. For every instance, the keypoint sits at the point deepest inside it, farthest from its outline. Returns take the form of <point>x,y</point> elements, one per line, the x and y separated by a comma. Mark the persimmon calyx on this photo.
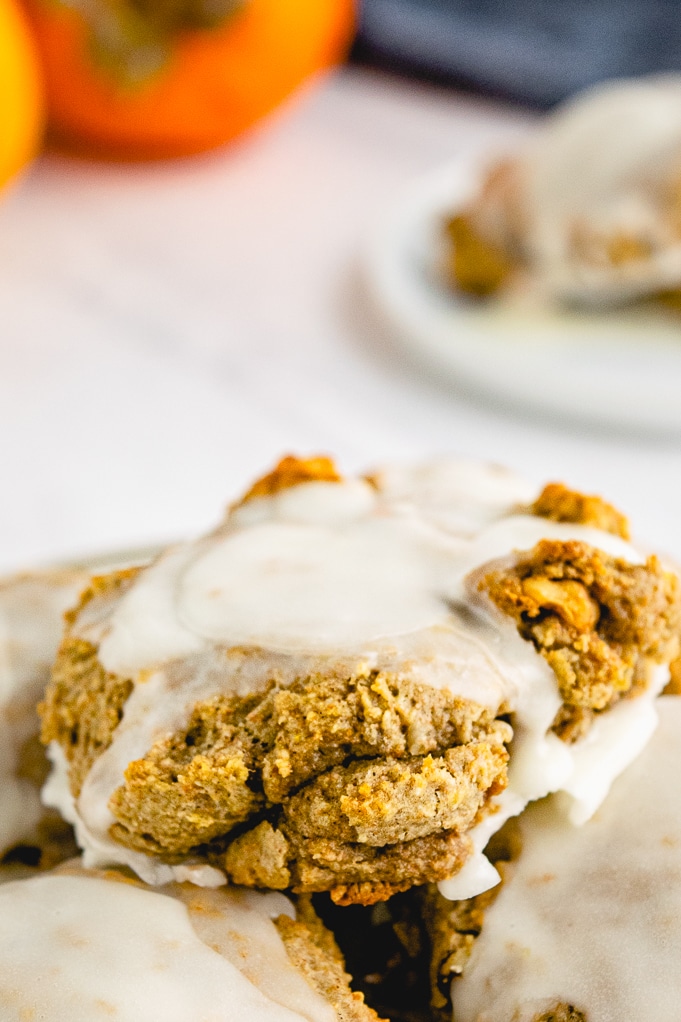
<point>132,40</point>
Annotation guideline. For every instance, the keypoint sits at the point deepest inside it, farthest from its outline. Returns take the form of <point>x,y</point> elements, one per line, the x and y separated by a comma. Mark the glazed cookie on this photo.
<point>587,924</point>
<point>587,212</point>
<point>321,694</point>
<point>83,946</point>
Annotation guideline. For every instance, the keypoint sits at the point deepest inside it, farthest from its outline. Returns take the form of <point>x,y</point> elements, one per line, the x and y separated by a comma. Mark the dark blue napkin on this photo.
<point>535,51</point>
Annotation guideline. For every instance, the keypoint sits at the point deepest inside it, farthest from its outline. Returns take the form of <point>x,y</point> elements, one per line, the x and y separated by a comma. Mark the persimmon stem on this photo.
<point>132,40</point>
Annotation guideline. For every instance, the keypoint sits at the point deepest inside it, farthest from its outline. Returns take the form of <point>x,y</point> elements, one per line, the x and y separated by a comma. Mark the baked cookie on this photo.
<point>586,926</point>
<point>322,693</point>
<point>83,946</point>
<point>588,211</point>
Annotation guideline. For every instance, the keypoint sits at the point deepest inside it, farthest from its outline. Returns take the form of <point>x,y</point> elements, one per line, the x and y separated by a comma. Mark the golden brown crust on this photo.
<point>671,300</point>
<point>388,801</point>
<point>280,857</point>
<point>451,927</point>
<point>330,782</point>
<point>598,621</point>
<point>367,874</point>
<point>562,1013</point>
<point>83,703</point>
<point>674,686</point>
<point>314,952</point>
<point>475,265</point>
<point>318,722</point>
<point>292,471</point>
<point>103,586</point>
<point>367,893</point>
<point>193,786</point>
<point>82,708</point>
<point>485,239</point>
<point>259,858</point>
<point>560,504</point>
<point>395,950</point>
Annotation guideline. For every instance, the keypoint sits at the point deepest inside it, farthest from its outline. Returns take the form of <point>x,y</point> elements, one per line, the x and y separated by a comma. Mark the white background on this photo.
<point>168,331</point>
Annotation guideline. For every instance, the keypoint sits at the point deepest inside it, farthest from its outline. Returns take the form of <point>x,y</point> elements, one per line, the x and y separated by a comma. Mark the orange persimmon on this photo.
<point>21,102</point>
<point>158,85</point>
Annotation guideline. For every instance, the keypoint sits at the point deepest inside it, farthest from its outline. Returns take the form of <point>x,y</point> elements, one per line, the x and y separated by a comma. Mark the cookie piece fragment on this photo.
<point>598,621</point>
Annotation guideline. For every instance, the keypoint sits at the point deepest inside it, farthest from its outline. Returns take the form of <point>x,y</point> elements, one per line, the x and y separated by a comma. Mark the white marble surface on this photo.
<point>167,331</point>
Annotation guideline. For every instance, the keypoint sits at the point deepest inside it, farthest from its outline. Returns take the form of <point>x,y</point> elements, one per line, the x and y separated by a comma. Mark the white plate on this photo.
<point>619,369</point>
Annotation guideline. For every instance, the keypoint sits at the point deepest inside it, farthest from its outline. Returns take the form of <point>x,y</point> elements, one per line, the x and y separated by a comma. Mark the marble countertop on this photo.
<point>168,331</point>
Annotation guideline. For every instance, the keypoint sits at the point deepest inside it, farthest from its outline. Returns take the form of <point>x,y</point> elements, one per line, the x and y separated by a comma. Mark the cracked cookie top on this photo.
<point>314,580</point>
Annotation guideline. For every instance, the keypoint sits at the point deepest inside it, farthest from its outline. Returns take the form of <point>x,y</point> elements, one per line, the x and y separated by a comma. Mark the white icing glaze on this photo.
<point>336,577</point>
<point>583,773</point>
<point>283,585</point>
<point>615,740</point>
<point>31,609</point>
<point>339,577</point>
<point>607,162</point>
<point>459,496</point>
<point>78,948</point>
<point>590,916</point>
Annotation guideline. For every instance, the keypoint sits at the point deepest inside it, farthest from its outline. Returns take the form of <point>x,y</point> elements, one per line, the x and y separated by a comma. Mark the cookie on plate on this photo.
<point>321,694</point>
<point>587,212</point>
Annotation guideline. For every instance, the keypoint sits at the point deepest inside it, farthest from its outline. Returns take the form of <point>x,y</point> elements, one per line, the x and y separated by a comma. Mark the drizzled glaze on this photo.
<point>340,577</point>
<point>590,916</point>
<point>111,949</point>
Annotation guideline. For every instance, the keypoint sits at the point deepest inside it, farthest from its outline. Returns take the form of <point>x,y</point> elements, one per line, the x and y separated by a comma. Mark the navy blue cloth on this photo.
<point>535,51</point>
